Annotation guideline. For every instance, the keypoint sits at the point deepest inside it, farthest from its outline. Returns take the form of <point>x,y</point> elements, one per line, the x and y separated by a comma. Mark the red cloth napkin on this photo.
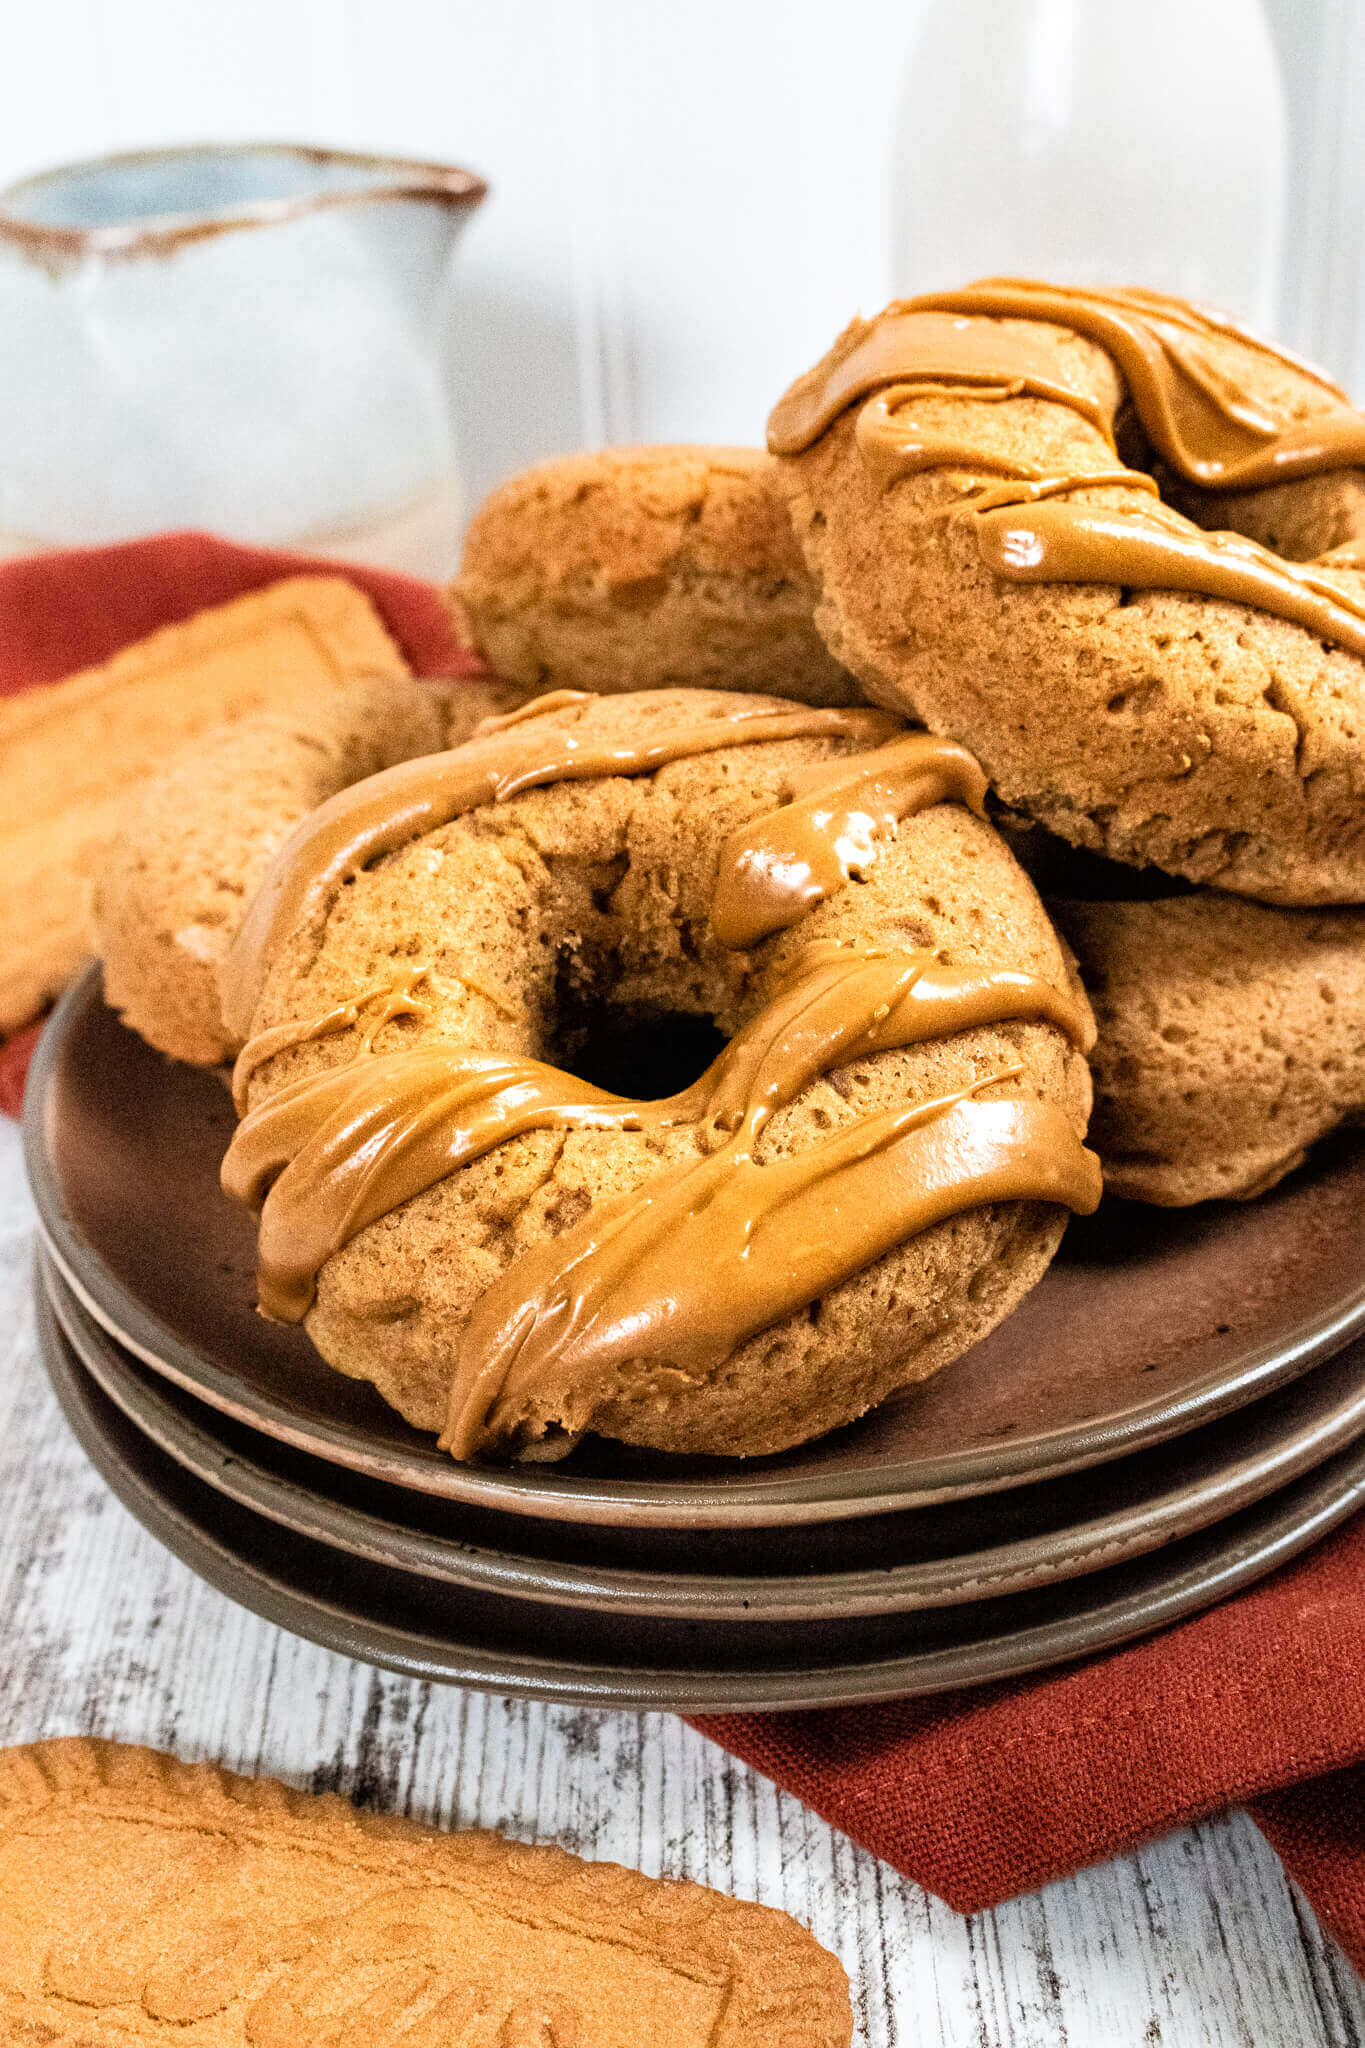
<point>984,1793</point>
<point>76,607</point>
<point>977,1794</point>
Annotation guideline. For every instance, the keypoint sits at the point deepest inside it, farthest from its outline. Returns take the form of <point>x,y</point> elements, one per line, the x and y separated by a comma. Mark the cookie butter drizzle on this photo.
<point>717,1246</point>
<point>386,811</point>
<point>1193,411</point>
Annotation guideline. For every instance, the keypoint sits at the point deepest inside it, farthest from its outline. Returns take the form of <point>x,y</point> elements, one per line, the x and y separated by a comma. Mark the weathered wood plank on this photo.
<point>1196,1942</point>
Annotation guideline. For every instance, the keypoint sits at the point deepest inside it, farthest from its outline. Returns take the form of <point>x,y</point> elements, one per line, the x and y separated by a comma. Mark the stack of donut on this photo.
<point>1087,565</point>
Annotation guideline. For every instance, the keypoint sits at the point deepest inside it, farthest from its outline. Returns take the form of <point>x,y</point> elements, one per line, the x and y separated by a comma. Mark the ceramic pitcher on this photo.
<point>246,339</point>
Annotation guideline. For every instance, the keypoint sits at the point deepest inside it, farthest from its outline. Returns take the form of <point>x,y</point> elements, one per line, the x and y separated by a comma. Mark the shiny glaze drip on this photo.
<point>1192,409</point>
<point>1196,415</point>
<point>325,1156</point>
<point>388,999</point>
<point>893,445</point>
<point>534,707</point>
<point>836,817</point>
<point>1349,555</point>
<point>716,1247</point>
<point>1027,536</point>
<point>951,355</point>
<point>400,804</point>
<point>669,1282</point>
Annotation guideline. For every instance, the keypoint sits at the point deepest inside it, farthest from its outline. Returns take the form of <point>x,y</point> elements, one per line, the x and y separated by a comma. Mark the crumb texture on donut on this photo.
<point>1231,1037</point>
<point>176,880</point>
<point>1219,742</point>
<point>526,917</point>
<point>645,568</point>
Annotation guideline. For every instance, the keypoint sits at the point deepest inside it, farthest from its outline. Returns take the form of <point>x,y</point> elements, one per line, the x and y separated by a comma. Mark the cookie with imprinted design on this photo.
<point>146,1901</point>
<point>74,754</point>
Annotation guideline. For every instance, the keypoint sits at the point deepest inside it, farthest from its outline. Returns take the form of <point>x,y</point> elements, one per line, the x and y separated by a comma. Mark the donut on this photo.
<point>645,568</point>
<point>990,563</point>
<point>871,1169</point>
<point>1231,1038</point>
<point>193,845</point>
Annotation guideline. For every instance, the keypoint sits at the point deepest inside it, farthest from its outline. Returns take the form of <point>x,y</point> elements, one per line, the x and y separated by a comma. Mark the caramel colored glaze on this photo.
<point>393,998</point>
<point>915,345</point>
<point>892,446</point>
<point>328,1155</point>
<point>400,804</point>
<point>1192,410</point>
<point>534,707</point>
<point>1026,536</point>
<point>836,816</point>
<point>1205,425</point>
<point>714,1249</point>
<point>1350,555</point>
<point>666,1284</point>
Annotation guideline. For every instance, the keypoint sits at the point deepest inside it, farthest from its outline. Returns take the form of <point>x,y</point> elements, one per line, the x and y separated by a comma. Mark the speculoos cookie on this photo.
<point>144,1900</point>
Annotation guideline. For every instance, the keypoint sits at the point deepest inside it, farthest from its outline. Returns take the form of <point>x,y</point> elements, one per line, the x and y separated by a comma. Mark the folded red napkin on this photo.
<point>977,1794</point>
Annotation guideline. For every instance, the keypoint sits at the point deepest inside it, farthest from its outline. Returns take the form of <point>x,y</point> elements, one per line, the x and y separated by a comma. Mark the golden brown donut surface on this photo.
<point>1231,1038</point>
<point>174,884</point>
<point>645,568</point>
<point>895,1118</point>
<point>988,561</point>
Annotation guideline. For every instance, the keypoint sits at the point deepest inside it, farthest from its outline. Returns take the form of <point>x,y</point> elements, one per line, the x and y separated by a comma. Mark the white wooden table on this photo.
<point>1197,1942</point>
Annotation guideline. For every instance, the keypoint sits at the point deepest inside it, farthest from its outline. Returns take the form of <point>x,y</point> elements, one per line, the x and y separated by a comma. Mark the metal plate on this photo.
<point>886,1564</point>
<point>1150,1322</point>
<point>455,1636</point>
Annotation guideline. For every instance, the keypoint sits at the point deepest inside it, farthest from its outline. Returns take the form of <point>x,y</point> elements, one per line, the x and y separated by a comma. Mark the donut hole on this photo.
<point>640,1051</point>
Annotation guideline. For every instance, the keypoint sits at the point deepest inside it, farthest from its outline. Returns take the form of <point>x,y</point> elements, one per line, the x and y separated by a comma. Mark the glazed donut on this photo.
<point>1231,1038</point>
<point>645,569</point>
<point>989,563</point>
<point>193,845</point>
<point>865,1179</point>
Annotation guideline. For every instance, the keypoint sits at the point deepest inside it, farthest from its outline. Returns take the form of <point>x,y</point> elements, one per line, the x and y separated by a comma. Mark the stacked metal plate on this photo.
<point>1178,1408</point>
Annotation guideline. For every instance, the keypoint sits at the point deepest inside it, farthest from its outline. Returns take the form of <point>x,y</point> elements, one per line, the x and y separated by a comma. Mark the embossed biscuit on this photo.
<point>144,1900</point>
<point>641,569</point>
<point>70,754</point>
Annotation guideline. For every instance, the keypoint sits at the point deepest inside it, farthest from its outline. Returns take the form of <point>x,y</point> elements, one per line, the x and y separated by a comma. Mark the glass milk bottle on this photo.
<point>1091,142</point>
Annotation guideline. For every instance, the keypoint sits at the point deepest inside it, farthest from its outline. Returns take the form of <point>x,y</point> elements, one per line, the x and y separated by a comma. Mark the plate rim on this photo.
<point>1278,1537</point>
<point>725,1502</point>
<point>984,1574</point>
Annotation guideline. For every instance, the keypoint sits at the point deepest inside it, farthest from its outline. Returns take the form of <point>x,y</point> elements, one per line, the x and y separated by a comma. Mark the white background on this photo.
<point>688,201</point>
